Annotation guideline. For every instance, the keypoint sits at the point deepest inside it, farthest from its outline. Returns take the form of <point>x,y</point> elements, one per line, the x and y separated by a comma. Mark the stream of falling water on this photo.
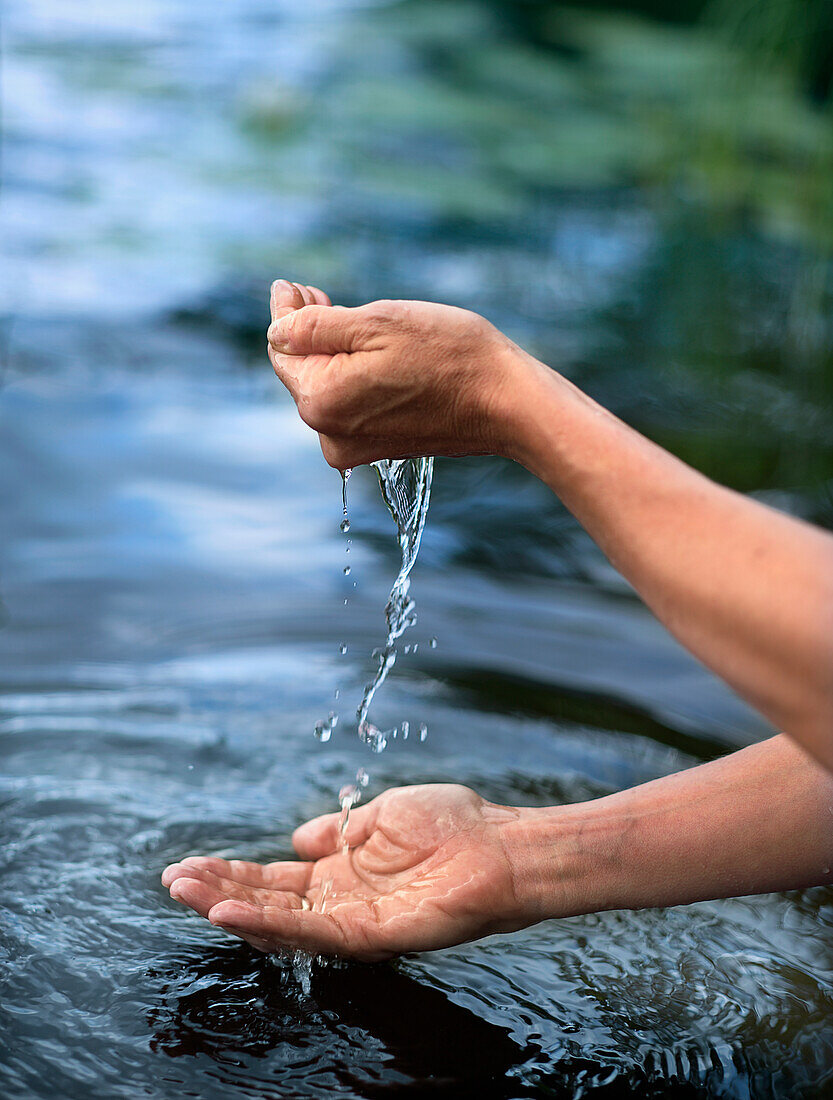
<point>406,490</point>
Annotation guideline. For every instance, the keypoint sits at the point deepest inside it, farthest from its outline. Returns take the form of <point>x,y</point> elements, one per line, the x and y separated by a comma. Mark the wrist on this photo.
<point>564,860</point>
<point>534,410</point>
<point>515,383</point>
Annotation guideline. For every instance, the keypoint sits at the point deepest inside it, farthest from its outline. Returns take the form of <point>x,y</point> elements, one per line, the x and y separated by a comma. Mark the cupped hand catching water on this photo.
<point>424,867</point>
<point>394,379</point>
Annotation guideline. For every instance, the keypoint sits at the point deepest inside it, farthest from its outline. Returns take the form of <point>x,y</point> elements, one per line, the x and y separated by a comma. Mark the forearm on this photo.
<point>756,821</point>
<point>745,588</point>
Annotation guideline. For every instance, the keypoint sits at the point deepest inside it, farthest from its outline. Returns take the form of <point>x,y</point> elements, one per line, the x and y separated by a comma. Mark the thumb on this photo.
<point>323,836</point>
<point>319,330</point>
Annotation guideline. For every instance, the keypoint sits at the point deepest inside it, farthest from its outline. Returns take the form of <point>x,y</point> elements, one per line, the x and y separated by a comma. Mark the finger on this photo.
<point>323,329</point>
<point>257,895</point>
<point>286,368</point>
<point>319,296</point>
<point>313,932</point>
<point>198,895</point>
<point>285,296</point>
<point>322,836</point>
<point>282,875</point>
<point>306,294</point>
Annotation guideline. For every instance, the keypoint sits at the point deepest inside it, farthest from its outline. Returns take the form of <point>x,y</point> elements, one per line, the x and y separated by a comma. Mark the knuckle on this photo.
<point>382,312</point>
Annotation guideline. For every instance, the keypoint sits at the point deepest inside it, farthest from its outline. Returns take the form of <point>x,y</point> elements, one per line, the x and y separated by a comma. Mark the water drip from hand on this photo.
<point>406,489</point>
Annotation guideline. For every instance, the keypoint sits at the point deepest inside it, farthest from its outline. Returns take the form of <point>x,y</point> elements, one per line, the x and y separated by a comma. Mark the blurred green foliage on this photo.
<point>721,108</point>
<point>483,121</point>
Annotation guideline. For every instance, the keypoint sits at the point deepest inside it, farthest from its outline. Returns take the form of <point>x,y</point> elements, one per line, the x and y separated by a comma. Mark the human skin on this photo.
<point>747,589</point>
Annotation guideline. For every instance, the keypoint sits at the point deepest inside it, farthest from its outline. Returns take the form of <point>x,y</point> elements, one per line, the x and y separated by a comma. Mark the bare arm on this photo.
<point>747,589</point>
<point>758,820</point>
<point>433,866</point>
<point>750,591</point>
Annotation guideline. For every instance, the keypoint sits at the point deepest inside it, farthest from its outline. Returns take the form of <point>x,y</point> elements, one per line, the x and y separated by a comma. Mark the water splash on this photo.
<point>300,964</point>
<point>406,489</point>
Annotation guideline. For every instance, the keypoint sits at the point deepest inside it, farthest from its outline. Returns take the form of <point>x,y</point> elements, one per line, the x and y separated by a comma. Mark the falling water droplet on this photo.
<point>342,648</point>
<point>345,525</point>
<point>423,732</point>
<point>347,570</point>
<point>324,727</point>
<point>433,643</point>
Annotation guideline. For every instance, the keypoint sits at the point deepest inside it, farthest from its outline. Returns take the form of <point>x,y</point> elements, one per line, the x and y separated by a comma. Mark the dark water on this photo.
<point>171,560</point>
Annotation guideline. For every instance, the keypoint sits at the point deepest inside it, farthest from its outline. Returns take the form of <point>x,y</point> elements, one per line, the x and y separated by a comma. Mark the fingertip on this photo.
<point>170,874</point>
<point>231,914</point>
<point>181,887</point>
<point>306,293</point>
<point>275,291</point>
<point>315,838</point>
<point>283,294</point>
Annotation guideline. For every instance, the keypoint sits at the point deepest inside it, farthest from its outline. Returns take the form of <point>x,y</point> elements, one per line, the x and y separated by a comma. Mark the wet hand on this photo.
<point>426,867</point>
<point>394,379</point>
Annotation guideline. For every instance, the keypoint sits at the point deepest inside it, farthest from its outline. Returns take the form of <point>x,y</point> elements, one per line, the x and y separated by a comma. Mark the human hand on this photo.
<point>426,867</point>
<point>394,379</point>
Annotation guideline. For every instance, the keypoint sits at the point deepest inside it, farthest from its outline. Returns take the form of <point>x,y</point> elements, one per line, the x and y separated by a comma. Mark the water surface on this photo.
<point>171,559</point>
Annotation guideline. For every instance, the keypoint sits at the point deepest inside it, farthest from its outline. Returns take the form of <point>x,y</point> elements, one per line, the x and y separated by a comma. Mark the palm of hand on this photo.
<point>425,868</point>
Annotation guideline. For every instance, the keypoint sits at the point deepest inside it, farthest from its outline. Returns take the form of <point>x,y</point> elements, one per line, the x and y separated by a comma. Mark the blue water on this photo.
<point>171,559</point>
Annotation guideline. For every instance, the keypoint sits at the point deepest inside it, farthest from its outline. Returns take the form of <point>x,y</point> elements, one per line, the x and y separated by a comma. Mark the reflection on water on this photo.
<point>170,558</point>
<point>235,1008</point>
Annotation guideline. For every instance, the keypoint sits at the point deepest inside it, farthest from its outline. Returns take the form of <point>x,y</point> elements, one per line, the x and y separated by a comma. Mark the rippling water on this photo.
<point>173,595</point>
